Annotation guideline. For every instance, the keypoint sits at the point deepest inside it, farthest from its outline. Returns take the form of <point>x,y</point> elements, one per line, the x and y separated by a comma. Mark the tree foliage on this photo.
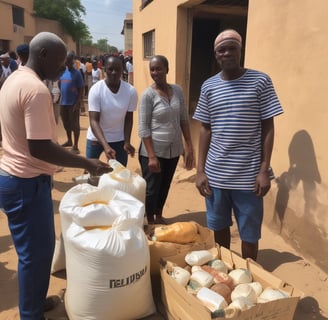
<point>104,46</point>
<point>68,13</point>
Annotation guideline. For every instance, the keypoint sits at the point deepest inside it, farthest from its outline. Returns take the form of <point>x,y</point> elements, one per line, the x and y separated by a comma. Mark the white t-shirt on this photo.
<point>112,107</point>
<point>83,67</point>
<point>96,75</point>
<point>129,66</point>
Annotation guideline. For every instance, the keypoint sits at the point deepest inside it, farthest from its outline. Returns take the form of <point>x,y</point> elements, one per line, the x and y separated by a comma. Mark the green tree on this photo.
<point>104,46</point>
<point>68,13</point>
<point>112,49</point>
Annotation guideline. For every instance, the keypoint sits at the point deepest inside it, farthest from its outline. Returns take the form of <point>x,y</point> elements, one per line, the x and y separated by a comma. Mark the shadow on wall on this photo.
<point>301,204</point>
<point>303,169</point>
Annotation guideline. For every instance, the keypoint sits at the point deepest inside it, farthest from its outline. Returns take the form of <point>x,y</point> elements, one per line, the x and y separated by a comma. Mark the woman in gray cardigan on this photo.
<point>163,120</point>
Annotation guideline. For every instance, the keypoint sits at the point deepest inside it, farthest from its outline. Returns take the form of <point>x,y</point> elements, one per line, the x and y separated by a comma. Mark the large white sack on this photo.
<point>73,206</point>
<point>108,272</point>
<point>88,205</point>
<point>124,179</point>
<point>59,260</point>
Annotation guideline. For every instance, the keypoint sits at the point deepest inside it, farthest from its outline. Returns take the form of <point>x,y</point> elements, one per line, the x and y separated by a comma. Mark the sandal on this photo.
<point>75,150</point>
<point>67,144</point>
<point>50,303</point>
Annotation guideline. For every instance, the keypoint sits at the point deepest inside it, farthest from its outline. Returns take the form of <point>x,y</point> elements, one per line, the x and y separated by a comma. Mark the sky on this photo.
<point>105,18</point>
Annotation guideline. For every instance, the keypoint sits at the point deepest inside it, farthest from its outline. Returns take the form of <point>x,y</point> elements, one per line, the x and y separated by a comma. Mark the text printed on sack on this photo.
<point>118,283</point>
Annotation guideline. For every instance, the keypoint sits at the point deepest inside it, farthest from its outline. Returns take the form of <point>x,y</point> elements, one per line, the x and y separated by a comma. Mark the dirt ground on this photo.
<point>183,203</point>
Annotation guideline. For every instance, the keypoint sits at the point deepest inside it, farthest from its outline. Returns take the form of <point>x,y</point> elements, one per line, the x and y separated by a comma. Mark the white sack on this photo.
<point>108,273</point>
<point>72,208</point>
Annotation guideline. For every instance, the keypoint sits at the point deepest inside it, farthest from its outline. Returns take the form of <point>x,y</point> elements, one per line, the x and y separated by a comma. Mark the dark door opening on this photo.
<point>203,63</point>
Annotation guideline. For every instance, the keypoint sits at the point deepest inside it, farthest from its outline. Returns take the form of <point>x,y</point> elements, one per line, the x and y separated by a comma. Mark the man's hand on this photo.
<point>129,148</point>
<point>202,184</point>
<point>262,184</point>
<point>109,152</point>
<point>97,167</point>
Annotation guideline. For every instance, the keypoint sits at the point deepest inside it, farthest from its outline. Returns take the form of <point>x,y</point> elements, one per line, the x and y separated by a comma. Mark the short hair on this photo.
<point>163,59</point>
<point>23,49</point>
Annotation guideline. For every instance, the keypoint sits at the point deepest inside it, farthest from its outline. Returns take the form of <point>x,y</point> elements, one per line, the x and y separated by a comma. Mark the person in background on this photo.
<point>96,72</point>
<point>77,61</point>
<point>163,120</point>
<point>31,155</point>
<point>129,68</point>
<point>71,89</point>
<point>13,61</point>
<point>22,52</point>
<point>83,73</point>
<point>55,94</point>
<point>5,65</point>
<point>99,62</point>
<point>124,73</point>
<point>112,102</point>
<point>88,75</point>
<point>236,108</point>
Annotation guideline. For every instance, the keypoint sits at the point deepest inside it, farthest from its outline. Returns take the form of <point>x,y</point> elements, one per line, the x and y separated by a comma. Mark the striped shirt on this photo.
<point>234,109</point>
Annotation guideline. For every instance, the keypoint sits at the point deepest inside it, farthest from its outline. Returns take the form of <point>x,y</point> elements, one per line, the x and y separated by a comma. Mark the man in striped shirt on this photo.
<point>236,108</point>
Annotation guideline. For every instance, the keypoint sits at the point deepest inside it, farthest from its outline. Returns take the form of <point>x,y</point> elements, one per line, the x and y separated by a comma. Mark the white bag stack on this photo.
<point>123,179</point>
<point>120,178</point>
<point>107,255</point>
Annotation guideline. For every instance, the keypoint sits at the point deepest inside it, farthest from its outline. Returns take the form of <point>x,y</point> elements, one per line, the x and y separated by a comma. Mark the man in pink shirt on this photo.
<point>30,157</point>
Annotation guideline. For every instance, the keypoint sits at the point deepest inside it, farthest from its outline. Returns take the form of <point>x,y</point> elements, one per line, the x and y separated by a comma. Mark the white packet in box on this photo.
<point>212,300</point>
<point>198,257</point>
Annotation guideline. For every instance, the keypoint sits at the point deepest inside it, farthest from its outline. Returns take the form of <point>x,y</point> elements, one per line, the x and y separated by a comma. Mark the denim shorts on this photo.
<point>246,206</point>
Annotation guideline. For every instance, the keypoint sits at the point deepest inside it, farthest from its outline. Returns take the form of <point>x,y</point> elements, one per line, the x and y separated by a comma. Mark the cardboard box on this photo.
<point>175,252</point>
<point>181,305</point>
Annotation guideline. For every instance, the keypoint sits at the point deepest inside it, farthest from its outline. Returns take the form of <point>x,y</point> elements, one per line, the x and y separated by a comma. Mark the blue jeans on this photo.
<point>29,209</point>
<point>94,150</point>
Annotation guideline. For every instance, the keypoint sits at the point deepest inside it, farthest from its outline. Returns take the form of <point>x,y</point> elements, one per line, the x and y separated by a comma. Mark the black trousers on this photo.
<point>70,118</point>
<point>158,184</point>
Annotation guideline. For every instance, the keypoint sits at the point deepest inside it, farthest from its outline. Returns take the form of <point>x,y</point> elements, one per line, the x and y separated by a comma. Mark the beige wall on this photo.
<point>165,25</point>
<point>54,26</point>
<point>128,33</point>
<point>286,39</point>
<point>17,34</point>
